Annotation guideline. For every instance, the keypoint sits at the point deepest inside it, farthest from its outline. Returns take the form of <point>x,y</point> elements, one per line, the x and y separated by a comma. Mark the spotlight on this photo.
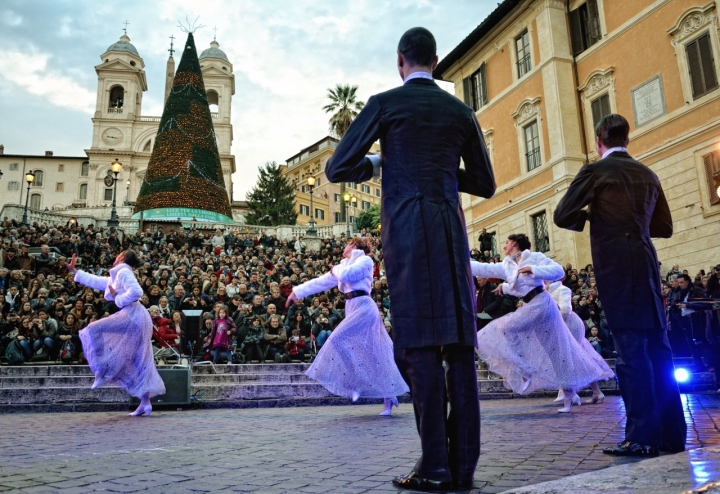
<point>682,375</point>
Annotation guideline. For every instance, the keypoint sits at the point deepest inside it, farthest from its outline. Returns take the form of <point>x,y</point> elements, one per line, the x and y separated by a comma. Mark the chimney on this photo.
<point>48,153</point>
<point>2,149</point>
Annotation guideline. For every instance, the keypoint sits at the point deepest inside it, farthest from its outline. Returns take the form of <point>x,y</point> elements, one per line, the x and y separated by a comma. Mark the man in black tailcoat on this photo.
<point>626,207</point>
<point>424,132</point>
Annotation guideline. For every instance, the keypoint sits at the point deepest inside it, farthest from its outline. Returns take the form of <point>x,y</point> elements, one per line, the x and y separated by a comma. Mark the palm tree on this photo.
<point>344,107</point>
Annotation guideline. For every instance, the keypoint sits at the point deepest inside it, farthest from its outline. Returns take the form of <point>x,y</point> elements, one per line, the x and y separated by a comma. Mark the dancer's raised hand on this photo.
<point>498,291</point>
<point>71,265</point>
<point>112,291</point>
<point>292,299</point>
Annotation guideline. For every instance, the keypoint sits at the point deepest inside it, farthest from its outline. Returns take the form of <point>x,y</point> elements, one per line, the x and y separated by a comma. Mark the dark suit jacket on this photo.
<point>424,132</point>
<point>627,207</point>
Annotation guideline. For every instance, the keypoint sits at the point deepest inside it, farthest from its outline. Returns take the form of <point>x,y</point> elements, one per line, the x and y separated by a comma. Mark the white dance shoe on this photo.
<point>389,403</point>
<point>141,410</point>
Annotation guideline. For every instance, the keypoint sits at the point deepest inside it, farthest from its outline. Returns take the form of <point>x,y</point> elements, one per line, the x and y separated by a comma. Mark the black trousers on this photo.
<point>645,372</point>
<point>450,441</point>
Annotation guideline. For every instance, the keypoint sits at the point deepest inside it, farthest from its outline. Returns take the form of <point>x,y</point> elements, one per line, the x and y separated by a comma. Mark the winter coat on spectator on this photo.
<point>219,336</point>
<point>255,334</point>
<point>295,347</point>
<point>163,334</point>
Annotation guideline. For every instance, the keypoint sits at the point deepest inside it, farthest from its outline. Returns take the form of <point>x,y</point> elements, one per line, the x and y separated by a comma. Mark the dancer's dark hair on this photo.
<point>418,46</point>
<point>131,259</point>
<point>613,130</point>
<point>523,242</point>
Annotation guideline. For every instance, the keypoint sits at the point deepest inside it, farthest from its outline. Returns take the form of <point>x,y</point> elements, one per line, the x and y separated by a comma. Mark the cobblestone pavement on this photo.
<point>346,449</point>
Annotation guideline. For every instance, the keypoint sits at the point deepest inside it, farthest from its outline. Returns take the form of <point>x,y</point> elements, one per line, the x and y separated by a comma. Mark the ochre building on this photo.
<point>541,73</point>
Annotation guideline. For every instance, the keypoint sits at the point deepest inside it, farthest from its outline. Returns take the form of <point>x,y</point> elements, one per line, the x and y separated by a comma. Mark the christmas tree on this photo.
<point>184,177</point>
<point>272,200</point>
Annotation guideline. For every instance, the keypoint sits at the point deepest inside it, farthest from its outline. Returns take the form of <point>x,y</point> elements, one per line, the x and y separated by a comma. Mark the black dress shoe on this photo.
<point>411,481</point>
<point>463,485</point>
<point>627,448</point>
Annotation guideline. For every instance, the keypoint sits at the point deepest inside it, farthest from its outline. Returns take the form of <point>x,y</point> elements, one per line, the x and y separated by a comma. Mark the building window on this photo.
<point>13,166</point>
<point>39,175</point>
<point>108,194</point>
<point>85,169</point>
<point>701,66</point>
<point>600,107</point>
<point>35,201</point>
<point>319,214</point>
<point>13,185</point>
<point>365,205</point>
<point>304,210</point>
<point>352,185</point>
<point>377,192</point>
<point>366,189</point>
<point>351,219</point>
<point>712,175</point>
<point>522,47</point>
<point>83,191</point>
<point>117,97</point>
<point>584,26</point>
<point>59,187</point>
<point>540,232</point>
<point>304,189</point>
<point>61,168</point>
<point>532,146</point>
<point>475,89</point>
<point>317,182</point>
<point>337,197</point>
<point>337,217</point>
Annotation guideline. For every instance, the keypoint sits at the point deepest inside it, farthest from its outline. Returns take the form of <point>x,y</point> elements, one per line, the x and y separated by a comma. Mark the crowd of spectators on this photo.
<point>238,281</point>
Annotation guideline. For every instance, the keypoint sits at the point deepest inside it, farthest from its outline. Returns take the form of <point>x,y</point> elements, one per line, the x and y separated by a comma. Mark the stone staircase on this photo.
<point>47,388</point>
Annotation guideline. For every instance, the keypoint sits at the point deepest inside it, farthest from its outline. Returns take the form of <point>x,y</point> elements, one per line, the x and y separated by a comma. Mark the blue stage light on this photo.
<point>681,375</point>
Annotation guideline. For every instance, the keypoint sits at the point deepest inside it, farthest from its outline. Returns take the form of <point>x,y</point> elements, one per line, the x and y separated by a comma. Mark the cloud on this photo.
<point>28,72</point>
<point>10,18</point>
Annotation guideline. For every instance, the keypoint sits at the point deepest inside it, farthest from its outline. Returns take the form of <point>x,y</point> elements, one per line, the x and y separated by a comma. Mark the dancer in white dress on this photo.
<point>531,347</point>
<point>357,359</point>
<point>563,298</point>
<point>118,348</point>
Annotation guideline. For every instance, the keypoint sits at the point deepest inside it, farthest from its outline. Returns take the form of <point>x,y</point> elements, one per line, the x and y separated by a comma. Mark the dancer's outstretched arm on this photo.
<point>487,270</point>
<point>87,279</point>
<point>350,273</point>
<point>546,269</point>
<point>324,282</point>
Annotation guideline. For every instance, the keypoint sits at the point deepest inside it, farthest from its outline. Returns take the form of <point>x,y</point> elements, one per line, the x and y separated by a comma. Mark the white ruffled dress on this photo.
<point>118,348</point>
<point>533,342</point>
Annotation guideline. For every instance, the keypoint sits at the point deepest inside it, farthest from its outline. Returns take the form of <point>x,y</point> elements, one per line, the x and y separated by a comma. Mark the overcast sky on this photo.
<point>285,55</point>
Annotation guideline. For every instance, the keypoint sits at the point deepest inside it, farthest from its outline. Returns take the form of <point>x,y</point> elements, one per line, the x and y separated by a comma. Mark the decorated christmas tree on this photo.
<point>184,177</point>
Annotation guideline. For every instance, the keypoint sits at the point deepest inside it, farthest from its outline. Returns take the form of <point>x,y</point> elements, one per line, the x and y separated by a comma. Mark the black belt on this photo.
<point>532,293</point>
<point>356,293</point>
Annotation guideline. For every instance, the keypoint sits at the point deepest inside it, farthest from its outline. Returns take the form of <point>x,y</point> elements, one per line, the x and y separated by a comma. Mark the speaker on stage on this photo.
<point>177,388</point>
<point>193,320</point>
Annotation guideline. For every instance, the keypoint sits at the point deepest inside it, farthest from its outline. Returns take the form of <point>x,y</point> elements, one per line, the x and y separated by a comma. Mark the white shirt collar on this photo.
<point>618,149</point>
<point>418,75</point>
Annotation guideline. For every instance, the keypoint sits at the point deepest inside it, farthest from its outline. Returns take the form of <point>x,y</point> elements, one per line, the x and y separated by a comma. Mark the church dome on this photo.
<point>123,44</point>
<point>214,52</point>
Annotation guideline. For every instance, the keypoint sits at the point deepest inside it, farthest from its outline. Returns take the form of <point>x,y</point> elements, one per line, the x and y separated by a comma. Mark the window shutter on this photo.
<point>712,168</point>
<point>707,63</point>
<point>467,92</point>
<point>596,111</point>
<point>483,79</point>
<point>594,20</point>
<point>695,69</point>
<point>605,104</point>
<point>576,32</point>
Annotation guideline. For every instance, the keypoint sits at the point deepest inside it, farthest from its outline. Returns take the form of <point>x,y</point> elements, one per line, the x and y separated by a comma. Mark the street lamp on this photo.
<point>346,198</point>
<point>29,178</point>
<point>116,167</point>
<point>127,193</point>
<point>311,232</point>
<point>353,199</point>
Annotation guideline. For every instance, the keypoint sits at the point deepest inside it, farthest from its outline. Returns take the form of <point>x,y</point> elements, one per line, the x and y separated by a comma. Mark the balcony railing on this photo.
<point>115,110</point>
<point>150,119</point>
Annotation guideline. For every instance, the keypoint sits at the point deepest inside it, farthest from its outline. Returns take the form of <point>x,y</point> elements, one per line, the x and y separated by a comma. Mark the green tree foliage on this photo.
<point>344,107</point>
<point>369,219</point>
<point>272,200</point>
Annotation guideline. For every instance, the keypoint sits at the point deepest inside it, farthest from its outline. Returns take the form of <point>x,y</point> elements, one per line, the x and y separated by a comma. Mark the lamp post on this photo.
<point>127,193</point>
<point>311,232</point>
<point>29,178</point>
<point>346,198</point>
<point>116,167</point>
<point>353,199</point>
